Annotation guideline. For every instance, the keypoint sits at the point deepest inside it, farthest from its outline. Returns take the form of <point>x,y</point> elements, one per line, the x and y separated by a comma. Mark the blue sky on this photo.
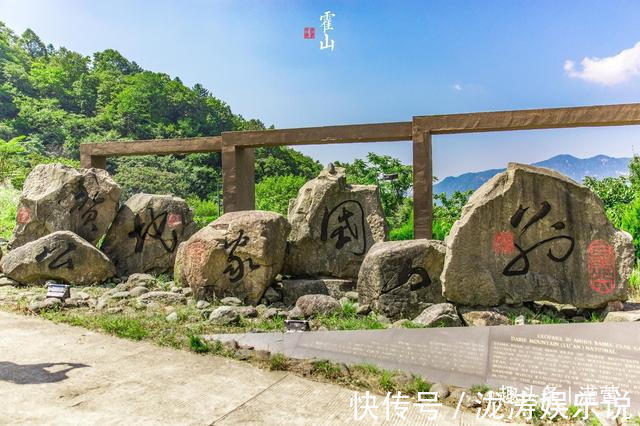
<point>392,60</point>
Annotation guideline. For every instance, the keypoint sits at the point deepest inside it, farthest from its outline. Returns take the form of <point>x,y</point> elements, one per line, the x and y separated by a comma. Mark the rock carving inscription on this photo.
<point>235,268</point>
<point>347,231</point>
<point>154,229</point>
<point>510,269</point>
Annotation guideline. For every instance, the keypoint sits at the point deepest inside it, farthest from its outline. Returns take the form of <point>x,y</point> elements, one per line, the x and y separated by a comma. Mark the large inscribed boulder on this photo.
<point>401,278</point>
<point>239,254</point>
<point>533,234</point>
<point>61,255</point>
<point>333,225</point>
<point>60,198</point>
<point>146,233</point>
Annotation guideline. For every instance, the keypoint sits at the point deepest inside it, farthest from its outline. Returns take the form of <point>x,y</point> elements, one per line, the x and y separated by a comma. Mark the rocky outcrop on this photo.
<point>533,234</point>
<point>60,198</point>
<point>62,256</point>
<point>333,225</point>
<point>239,255</point>
<point>292,289</point>
<point>439,315</point>
<point>400,278</point>
<point>146,233</point>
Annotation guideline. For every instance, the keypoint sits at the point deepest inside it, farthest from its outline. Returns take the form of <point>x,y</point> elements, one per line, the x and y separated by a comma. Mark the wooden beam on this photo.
<point>321,135</point>
<point>549,118</point>
<point>153,147</point>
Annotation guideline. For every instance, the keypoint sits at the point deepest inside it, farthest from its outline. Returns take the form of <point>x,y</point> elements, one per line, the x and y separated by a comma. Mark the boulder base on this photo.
<point>62,256</point>
<point>60,198</point>
<point>333,225</point>
<point>400,278</point>
<point>337,288</point>
<point>533,234</point>
<point>239,255</point>
<point>146,233</point>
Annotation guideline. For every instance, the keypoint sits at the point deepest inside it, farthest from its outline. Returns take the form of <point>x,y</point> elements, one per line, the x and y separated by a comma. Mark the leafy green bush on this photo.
<point>8,206</point>
<point>204,211</point>
<point>393,192</point>
<point>403,232</point>
<point>274,192</point>
<point>616,194</point>
<point>630,222</point>
<point>197,345</point>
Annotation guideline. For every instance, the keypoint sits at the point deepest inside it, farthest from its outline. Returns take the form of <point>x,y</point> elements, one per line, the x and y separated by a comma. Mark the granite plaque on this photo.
<point>562,355</point>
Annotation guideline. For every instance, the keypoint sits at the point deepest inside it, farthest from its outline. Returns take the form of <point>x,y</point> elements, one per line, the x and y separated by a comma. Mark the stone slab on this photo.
<point>57,374</point>
<point>292,289</point>
<point>563,355</point>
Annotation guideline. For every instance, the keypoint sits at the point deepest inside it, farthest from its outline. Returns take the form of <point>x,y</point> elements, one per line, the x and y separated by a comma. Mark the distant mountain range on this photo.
<point>599,167</point>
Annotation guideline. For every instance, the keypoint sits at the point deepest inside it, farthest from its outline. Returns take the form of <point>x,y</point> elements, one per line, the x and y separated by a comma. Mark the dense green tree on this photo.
<point>59,99</point>
<point>392,177</point>
<point>274,192</point>
<point>616,194</point>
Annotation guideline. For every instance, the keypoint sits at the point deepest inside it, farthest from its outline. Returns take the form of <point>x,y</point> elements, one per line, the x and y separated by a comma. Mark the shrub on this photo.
<point>274,192</point>
<point>630,222</point>
<point>278,362</point>
<point>197,345</point>
<point>8,207</point>
<point>204,211</point>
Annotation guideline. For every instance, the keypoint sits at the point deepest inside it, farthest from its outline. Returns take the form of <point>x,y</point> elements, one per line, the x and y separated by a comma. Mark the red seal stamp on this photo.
<point>601,262</point>
<point>174,220</point>
<point>24,215</point>
<point>503,243</point>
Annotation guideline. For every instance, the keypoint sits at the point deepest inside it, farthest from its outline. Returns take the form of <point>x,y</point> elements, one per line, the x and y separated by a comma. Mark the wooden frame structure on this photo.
<point>238,169</point>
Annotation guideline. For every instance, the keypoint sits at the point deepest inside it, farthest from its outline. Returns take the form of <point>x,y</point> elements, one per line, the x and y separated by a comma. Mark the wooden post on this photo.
<point>238,178</point>
<point>96,161</point>
<point>422,184</point>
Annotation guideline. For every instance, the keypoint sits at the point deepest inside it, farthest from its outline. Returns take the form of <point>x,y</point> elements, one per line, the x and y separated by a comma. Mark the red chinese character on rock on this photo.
<point>602,267</point>
<point>503,243</point>
<point>310,32</point>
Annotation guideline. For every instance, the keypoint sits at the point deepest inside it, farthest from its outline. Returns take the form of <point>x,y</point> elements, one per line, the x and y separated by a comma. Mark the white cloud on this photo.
<point>457,87</point>
<point>610,70</point>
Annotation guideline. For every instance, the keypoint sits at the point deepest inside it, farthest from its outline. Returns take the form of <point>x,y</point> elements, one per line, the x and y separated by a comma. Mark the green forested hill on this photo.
<point>58,99</point>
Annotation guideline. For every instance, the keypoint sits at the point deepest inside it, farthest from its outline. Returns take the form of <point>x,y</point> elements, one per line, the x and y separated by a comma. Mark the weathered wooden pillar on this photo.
<point>97,161</point>
<point>422,184</point>
<point>238,178</point>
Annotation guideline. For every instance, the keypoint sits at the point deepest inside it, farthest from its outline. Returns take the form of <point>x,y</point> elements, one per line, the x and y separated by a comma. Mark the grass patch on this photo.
<point>278,362</point>
<point>271,324</point>
<point>119,325</point>
<point>386,381</point>
<point>366,368</point>
<point>129,328</point>
<point>410,324</point>
<point>595,317</point>
<point>479,389</point>
<point>347,319</point>
<point>327,369</point>
<point>416,385</point>
<point>197,345</point>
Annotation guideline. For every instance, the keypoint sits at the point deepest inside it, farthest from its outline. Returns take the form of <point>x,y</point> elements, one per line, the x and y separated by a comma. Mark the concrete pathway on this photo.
<point>57,374</point>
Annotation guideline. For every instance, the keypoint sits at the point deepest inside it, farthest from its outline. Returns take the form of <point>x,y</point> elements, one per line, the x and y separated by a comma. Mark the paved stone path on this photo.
<point>57,374</point>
